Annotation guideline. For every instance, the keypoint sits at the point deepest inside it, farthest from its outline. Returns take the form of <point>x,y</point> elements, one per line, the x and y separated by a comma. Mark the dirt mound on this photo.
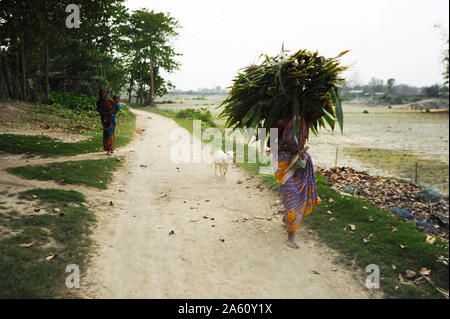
<point>16,119</point>
<point>12,111</point>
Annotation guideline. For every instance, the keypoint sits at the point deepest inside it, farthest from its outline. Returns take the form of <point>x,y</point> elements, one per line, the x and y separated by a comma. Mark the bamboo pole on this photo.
<point>335,161</point>
<point>416,177</point>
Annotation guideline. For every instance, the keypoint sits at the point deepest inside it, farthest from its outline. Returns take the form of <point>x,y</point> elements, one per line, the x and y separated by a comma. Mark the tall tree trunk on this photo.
<point>47,85</point>
<point>152,94</point>
<point>3,81</point>
<point>17,86</point>
<point>24,75</point>
<point>141,85</point>
<point>129,92</point>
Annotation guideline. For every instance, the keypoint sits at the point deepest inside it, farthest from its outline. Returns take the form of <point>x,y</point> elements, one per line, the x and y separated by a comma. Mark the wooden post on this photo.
<point>335,161</point>
<point>416,178</point>
<point>152,77</point>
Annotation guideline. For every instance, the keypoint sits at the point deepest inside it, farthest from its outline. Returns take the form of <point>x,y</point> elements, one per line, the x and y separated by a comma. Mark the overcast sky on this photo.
<point>388,38</point>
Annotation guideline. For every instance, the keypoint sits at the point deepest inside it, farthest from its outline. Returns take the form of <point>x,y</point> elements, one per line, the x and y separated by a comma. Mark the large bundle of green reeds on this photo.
<point>305,82</point>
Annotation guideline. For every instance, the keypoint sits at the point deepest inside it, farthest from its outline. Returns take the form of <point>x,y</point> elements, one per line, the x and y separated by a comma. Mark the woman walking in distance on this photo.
<point>105,106</point>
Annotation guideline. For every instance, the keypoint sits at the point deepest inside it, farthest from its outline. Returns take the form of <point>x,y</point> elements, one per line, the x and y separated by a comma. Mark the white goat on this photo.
<point>222,160</point>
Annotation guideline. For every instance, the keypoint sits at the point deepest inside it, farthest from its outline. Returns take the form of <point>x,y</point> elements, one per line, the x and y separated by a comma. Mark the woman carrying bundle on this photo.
<point>105,106</point>
<point>295,172</point>
<point>294,93</point>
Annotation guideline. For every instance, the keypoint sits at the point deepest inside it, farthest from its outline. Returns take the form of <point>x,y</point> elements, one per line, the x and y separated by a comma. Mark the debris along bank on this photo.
<point>427,209</point>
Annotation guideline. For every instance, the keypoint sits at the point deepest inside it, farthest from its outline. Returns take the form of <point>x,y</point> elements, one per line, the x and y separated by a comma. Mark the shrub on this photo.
<point>202,114</point>
<point>76,102</point>
<point>73,101</point>
<point>428,194</point>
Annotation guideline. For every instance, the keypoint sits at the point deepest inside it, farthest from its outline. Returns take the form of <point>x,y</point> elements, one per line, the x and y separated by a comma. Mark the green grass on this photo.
<point>383,248</point>
<point>434,172</point>
<point>52,195</point>
<point>24,272</point>
<point>94,173</point>
<point>48,147</point>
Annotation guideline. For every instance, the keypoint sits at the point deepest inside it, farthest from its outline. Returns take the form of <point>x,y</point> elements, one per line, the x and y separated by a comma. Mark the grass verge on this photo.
<point>393,252</point>
<point>27,268</point>
<point>94,173</point>
<point>47,147</point>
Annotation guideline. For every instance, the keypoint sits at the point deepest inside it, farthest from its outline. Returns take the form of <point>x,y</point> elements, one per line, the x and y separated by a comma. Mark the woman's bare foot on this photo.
<point>108,153</point>
<point>291,240</point>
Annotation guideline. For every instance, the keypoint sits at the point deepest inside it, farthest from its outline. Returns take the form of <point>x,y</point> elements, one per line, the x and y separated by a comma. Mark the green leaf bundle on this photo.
<point>304,82</point>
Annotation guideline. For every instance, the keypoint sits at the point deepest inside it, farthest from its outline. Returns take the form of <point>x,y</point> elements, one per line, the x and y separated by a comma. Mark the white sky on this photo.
<point>388,38</point>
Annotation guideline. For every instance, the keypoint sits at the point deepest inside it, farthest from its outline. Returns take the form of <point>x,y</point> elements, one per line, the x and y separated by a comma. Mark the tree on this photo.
<point>432,91</point>
<point>50,56</point>
<point>147,42</point>
<point>376,85</point>
<point>390,86</point>
<point>445,51</point>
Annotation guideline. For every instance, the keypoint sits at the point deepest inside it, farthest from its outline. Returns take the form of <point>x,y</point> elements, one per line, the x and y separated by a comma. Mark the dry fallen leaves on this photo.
<point>367,239</point>
<point>419,280</point>
<point>425,271</point>
<point>352,227</point>
<point>443,260</point>
<point>28,244</point>
<point>403,281</point>
<point>430,239</point>
<point>50,257</point>
<point>410,274</point>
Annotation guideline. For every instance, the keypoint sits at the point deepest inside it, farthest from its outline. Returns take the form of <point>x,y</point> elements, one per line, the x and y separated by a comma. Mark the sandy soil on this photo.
<point>135,257</point>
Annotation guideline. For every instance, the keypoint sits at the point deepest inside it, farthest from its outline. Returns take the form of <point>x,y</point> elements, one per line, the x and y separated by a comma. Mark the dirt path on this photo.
<point>135,257</point>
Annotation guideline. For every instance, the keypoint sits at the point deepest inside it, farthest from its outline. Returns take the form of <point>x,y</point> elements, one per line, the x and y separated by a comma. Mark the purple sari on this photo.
<point>298,186</point>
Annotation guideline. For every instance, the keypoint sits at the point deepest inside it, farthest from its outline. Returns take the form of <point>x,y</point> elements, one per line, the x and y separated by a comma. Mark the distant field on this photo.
<point>384,141</point>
